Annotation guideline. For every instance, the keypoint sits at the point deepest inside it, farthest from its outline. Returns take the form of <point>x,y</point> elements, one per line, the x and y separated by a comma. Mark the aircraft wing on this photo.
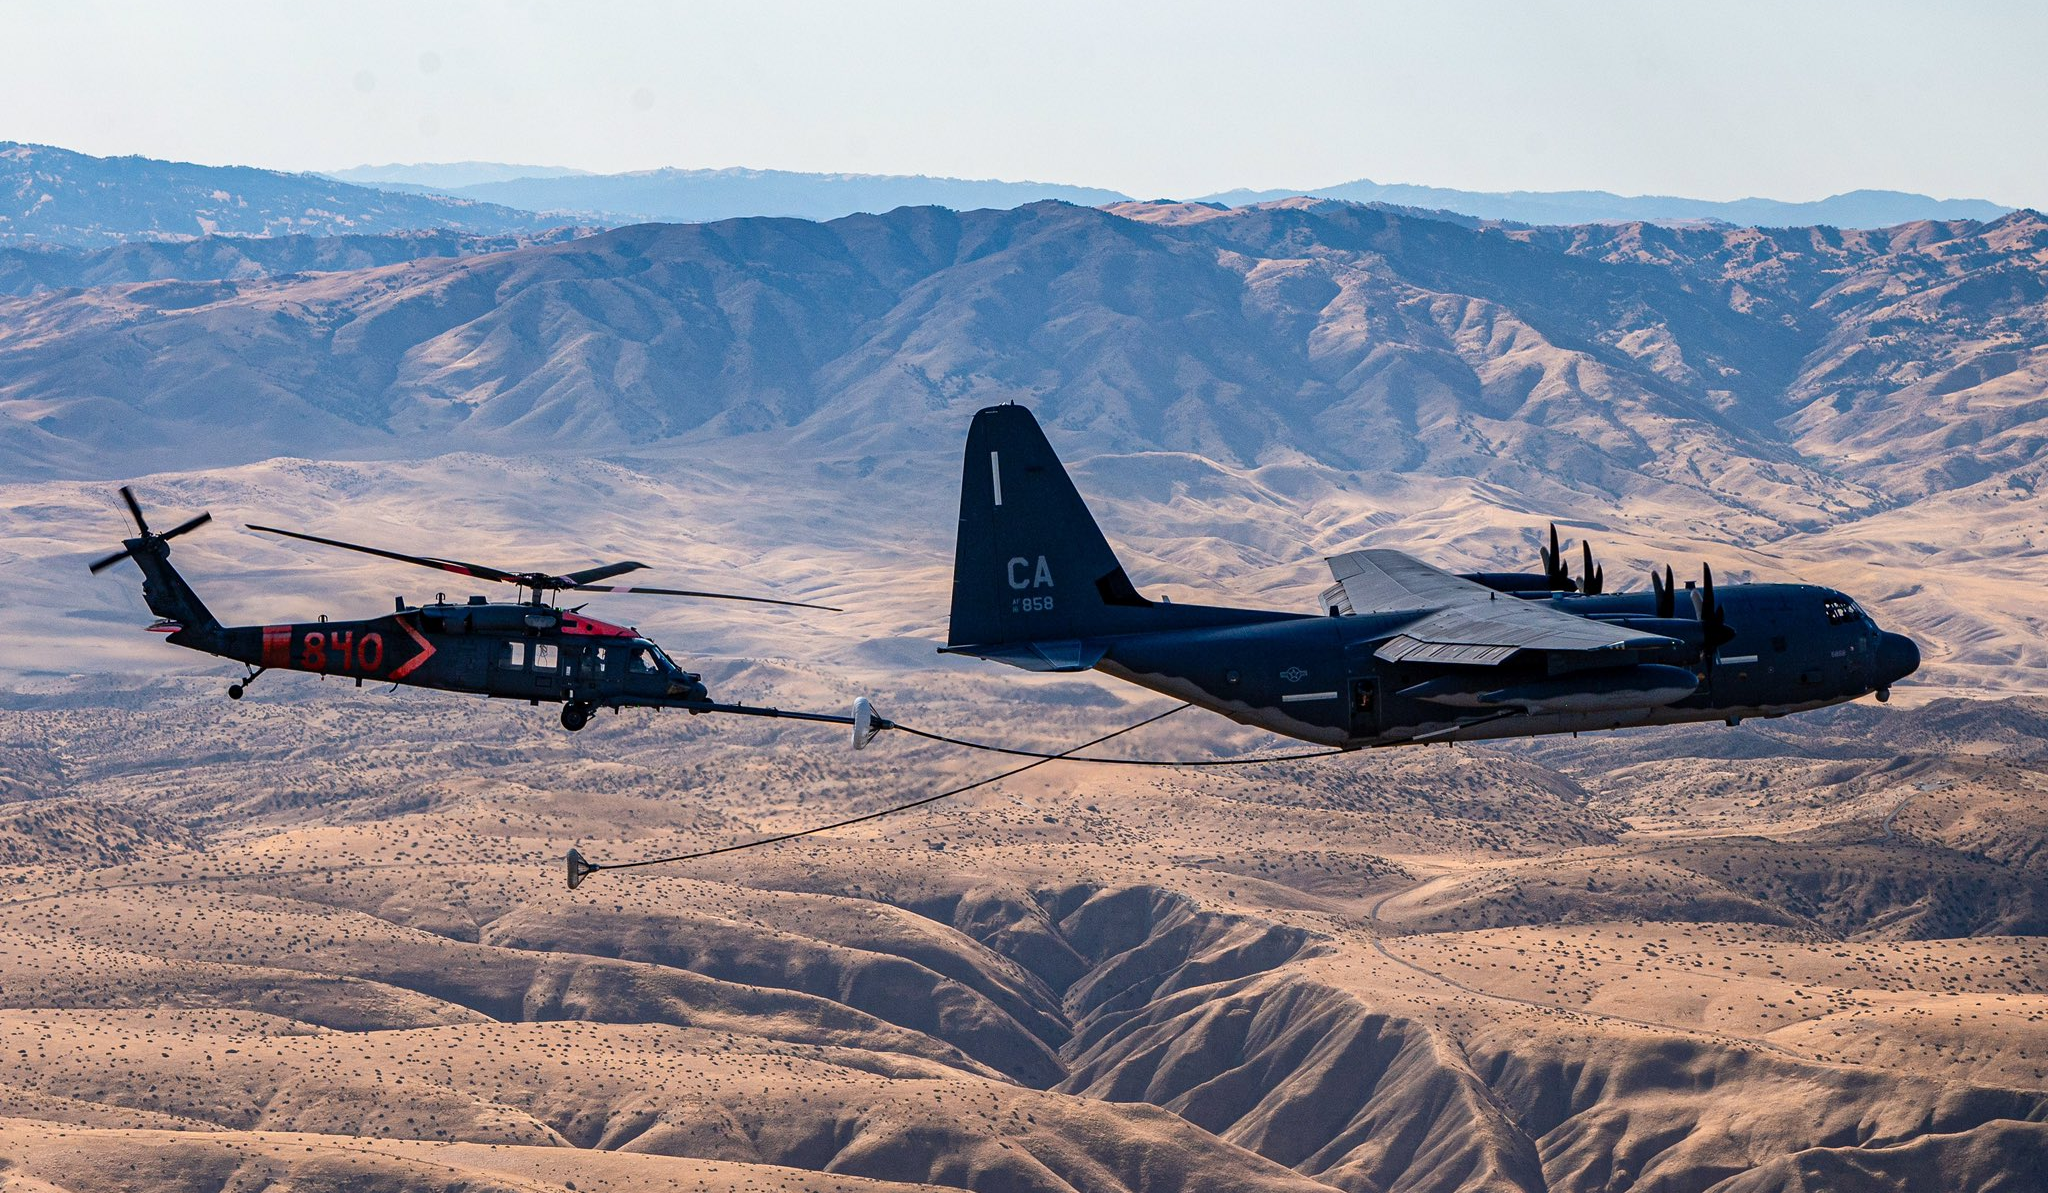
<point>1460,622</point>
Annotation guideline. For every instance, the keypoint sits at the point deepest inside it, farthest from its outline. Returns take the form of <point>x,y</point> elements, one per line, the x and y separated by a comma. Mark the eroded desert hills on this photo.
<point>320,937</point>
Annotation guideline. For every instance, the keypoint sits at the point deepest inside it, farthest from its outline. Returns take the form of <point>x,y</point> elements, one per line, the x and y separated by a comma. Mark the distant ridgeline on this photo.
<point>1855,209</point>
<point>53,196</point>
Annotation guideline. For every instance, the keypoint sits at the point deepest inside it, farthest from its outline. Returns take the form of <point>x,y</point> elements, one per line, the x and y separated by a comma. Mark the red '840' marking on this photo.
<point>318,649</point>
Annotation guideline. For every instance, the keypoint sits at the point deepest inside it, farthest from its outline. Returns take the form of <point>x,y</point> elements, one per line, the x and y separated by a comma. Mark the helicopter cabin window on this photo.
<point>1840,611</point>
<point>544,656</point>
<point>514,656</point>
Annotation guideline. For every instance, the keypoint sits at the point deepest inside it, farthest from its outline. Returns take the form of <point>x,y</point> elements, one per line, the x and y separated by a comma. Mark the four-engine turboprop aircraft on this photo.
<point>1402,652</point>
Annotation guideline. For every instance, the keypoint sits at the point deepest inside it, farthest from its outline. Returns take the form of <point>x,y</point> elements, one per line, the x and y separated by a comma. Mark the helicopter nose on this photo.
<point>1897,657</point>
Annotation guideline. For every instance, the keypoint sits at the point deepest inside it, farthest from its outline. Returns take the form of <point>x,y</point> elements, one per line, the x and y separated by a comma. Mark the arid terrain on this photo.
<point>320,938</point>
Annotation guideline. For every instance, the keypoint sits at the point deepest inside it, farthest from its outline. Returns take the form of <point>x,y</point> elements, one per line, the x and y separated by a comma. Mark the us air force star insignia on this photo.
<point>1294,675</point>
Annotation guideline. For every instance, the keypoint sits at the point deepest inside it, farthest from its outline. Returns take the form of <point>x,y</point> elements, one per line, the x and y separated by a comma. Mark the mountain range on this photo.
<point>693,196</point>
<point>56,197</point>
<point>1853,209</point>
<point>442,175</point>
<point>52,196</point>
<point>1360,338</point>
<point>1857,406</point>
<point>700,196</point>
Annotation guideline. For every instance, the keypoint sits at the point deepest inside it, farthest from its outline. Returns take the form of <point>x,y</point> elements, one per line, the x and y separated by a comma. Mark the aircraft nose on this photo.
<point>1897,657</point>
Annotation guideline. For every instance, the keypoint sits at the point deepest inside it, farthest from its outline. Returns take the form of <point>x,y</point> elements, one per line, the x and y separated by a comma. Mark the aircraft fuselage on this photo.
<point>1795,647</point>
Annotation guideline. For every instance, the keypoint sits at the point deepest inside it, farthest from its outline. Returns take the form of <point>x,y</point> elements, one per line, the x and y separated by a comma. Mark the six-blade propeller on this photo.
<point>1706,610</point>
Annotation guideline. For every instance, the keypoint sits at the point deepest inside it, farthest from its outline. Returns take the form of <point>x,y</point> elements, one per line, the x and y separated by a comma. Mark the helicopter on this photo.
<point>529,649</point>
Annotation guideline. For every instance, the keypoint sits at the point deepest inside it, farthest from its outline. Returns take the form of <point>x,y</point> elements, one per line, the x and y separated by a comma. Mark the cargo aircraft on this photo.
<point>1401,652</point>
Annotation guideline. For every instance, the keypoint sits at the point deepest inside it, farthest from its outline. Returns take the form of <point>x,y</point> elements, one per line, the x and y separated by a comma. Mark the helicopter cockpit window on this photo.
<point>1840,611</point>
<point>642,661</point>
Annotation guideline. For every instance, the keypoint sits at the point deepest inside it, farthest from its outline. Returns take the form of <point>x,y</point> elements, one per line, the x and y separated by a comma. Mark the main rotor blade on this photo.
<point>592,575</point>
<point>475,570</point>
<point>188,524</point>
<point>134,508</point>
<point>102,565</point>
<point>716,596</point>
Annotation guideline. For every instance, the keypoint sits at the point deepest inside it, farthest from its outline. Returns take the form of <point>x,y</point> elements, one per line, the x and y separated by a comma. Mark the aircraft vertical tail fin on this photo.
<point>1030,565</point>
<point>166,592</point>
<point>163,589</point>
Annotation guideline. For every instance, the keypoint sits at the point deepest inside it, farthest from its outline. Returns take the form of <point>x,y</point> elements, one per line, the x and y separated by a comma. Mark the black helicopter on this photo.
<point>1400,652</point>
<point>527,649</point>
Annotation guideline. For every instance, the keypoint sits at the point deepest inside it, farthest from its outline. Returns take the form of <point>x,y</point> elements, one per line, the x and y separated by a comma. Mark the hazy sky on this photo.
<point>1715,100</point>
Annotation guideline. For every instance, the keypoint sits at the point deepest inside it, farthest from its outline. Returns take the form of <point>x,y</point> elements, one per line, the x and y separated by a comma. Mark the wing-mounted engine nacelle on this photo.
<point>1690,636</point>
<point>1534,584</point>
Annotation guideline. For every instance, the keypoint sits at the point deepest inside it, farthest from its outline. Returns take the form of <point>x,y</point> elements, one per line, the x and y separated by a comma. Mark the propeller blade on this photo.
<point>188,524</point>
<point>475,570</point>
<point>102,565</point>
<point>134,508</point>
<point>1593,581</point>
<point>1718,632</point>
<point>592,575</point>
<point>686,592</point>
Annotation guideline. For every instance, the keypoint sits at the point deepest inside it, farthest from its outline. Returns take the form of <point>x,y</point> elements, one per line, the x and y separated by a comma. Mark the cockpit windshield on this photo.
<point>1841,610</point>
<point>647,659</point>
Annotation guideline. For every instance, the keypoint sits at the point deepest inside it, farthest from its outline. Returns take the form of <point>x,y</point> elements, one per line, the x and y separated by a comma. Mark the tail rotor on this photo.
<point>145,538</point>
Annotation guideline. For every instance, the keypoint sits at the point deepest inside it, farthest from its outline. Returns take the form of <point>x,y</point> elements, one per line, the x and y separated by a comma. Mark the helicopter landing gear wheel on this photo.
<point>241,685</point>
<point>575,715</point>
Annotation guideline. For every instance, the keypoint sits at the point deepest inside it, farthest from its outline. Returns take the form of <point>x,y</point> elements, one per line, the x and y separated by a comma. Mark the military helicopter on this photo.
<point>528,649</point>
